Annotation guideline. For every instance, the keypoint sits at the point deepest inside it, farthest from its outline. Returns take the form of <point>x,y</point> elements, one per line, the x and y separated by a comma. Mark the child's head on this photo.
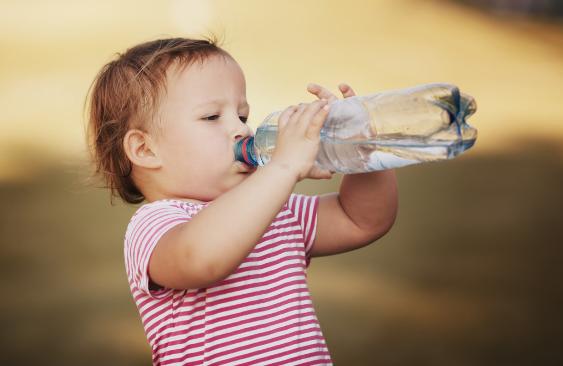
<point>163,120</point>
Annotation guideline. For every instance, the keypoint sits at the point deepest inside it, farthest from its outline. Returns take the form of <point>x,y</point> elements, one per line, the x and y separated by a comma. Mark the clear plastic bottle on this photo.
<point>381,131</point>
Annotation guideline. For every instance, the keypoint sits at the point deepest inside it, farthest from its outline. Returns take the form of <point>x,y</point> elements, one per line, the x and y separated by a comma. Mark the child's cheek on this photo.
<point>224,147</point>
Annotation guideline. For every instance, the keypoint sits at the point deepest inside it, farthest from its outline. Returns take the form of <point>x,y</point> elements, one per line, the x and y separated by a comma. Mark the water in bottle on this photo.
<point>381,131</point>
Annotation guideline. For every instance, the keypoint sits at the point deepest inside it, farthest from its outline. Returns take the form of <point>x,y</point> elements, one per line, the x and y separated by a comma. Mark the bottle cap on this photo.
<point>244,151</point>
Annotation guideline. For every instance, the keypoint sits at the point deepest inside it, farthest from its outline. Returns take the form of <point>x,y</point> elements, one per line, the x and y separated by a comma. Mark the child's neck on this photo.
<point>183,199</point>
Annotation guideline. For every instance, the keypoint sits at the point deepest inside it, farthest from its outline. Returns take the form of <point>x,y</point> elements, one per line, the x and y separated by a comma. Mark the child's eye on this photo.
<point>215,116</point>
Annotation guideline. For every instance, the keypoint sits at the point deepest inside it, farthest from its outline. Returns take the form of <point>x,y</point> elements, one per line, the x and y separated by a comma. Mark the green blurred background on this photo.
<point>469,275</point>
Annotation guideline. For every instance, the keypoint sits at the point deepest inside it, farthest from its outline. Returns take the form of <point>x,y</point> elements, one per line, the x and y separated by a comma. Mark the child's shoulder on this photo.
<point>165,207</point>
<point>158,215</point>
<point>156,210</point>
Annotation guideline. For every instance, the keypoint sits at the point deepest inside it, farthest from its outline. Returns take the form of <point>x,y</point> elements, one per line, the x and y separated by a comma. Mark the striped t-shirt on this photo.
<point>261,314</point>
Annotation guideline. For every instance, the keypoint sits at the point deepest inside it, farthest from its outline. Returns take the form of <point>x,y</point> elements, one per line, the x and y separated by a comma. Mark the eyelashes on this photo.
<point>215,117</point>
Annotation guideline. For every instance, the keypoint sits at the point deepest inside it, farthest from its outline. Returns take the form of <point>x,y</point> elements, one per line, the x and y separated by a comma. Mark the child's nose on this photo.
<point>241,130</point>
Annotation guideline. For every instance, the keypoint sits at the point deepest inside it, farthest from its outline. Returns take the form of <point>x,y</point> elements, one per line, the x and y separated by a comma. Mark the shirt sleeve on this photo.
<point>305,209</point>
<point>146,228</point>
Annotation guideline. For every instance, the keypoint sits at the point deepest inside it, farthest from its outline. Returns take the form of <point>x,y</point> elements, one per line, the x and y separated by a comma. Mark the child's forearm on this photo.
<point>226,231</point>
<point>370,200</point>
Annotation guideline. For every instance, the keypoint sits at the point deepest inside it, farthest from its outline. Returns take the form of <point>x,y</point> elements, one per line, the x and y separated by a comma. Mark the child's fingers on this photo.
<point>346,90</point>
<point>311,110</point>
<point>285,115</point>
<point>298,113</point>
<point>320,92</point>
<point>317,120</point>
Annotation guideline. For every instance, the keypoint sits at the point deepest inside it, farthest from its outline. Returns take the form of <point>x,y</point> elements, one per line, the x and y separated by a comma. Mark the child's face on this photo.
<point>202,117</point>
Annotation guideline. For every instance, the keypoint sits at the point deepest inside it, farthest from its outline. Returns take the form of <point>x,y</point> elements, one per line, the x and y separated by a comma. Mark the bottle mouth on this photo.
<point>244,151</point>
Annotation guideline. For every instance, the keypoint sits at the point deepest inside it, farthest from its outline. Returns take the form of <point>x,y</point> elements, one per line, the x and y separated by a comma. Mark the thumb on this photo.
<point>318,173</point>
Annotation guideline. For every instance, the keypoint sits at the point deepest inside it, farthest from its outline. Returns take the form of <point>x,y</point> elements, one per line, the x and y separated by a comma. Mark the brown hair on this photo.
<point>125,94</point>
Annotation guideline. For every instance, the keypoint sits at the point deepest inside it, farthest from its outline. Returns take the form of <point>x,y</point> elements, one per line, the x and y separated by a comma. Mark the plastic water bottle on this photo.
<point>381,131</point>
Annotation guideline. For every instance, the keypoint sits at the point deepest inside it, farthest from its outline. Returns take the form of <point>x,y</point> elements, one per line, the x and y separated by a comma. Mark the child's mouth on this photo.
<point>245,168</point>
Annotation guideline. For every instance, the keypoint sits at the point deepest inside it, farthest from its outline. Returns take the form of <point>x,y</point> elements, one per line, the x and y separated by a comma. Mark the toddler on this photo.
<point>216,257</point>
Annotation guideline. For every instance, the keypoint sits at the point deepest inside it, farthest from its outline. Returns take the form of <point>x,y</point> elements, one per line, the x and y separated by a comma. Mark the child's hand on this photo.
<point>298,140</point>
<point>310,119</point>
<point>323,93</point>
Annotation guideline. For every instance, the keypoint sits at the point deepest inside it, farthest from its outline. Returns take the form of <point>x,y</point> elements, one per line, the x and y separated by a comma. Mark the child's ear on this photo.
<point>140,149</point>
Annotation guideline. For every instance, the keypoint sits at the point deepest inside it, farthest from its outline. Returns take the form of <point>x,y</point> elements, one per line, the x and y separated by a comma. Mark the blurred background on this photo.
<point>469,275</point>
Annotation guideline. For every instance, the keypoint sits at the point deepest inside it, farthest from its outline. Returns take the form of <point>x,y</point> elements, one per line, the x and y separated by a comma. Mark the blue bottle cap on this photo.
<point>244,151</point>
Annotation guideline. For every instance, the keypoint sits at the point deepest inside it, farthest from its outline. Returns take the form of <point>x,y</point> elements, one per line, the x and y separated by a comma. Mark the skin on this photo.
<point>174,163</point>
<point>191,156</point>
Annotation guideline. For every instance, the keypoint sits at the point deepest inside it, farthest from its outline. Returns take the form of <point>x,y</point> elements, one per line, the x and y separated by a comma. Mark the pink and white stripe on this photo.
<point>262,314</point>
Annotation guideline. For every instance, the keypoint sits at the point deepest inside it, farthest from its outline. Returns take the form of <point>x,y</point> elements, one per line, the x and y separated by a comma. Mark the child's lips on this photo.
<point>245,168</point>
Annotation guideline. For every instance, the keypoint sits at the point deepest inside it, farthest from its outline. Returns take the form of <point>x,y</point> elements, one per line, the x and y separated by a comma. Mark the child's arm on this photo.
<point>362,211</point>
<point>215,241</point>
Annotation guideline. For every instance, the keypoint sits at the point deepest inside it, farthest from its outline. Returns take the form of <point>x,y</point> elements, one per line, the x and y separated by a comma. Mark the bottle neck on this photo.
<point>244,151</point>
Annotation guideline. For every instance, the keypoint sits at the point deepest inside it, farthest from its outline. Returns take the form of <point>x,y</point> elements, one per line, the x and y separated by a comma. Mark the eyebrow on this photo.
<point>221,102</point>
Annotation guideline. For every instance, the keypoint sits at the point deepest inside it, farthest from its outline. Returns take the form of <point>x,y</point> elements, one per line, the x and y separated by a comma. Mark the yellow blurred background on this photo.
<point>468,275</point>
